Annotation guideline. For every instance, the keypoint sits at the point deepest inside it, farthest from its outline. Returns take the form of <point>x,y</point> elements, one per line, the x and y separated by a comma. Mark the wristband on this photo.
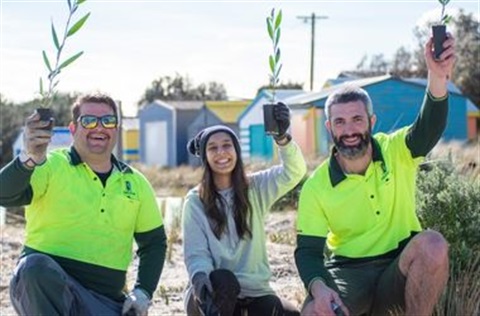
<point>280,140</point>
<point>28,161</point>
<point>435,99</point>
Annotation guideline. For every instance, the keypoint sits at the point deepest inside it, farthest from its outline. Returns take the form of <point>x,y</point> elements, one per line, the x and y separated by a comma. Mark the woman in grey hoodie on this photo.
<point>223,224</point>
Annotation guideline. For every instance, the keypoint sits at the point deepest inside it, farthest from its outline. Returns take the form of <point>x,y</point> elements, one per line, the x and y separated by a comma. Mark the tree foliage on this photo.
<point>181,88</point>
<point>466,30</point>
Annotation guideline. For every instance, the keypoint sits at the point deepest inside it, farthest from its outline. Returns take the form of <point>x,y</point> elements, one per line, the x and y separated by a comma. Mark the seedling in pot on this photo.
<point>274,32</point>
<point>48,92</point>
<point>439,30</point>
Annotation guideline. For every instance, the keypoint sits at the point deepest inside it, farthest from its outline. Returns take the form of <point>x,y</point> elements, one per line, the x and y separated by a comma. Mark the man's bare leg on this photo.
<point>424,262</point>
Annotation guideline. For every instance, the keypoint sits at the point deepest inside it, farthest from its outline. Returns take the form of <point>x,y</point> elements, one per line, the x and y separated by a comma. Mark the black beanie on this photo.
<point>196,145</point>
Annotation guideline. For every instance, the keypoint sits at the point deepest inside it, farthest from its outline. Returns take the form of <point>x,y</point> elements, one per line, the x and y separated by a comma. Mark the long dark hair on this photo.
<point>215,204</point>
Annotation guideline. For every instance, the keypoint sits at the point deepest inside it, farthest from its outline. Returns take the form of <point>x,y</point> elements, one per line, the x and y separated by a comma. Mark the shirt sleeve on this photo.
<point>152,246</point>
<point>428,126</point>
<point>309,258</point>
<point>195,241</point>
<point>15,188</point>
<point>311,219</point>
<point>271,184</point>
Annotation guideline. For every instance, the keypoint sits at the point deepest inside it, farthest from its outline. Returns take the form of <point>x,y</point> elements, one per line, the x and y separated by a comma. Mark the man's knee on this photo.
<point>36,268</point>
<point>434,248</point>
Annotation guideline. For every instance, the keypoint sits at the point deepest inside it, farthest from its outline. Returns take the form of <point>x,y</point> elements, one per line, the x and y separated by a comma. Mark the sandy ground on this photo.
<point>168,299</point>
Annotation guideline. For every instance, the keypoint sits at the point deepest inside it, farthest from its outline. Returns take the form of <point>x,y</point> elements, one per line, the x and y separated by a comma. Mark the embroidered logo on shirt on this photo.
<point>128,190</point>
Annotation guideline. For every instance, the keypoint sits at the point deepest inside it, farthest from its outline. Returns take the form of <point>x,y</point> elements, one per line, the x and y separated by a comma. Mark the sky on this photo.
<point>128,44</point>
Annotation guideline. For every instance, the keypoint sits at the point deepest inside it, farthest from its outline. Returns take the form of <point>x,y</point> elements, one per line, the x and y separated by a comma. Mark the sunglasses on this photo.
<point>91,121</point>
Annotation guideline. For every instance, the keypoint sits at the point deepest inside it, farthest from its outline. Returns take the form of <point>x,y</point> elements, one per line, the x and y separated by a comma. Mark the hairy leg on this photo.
<point>424,262</point>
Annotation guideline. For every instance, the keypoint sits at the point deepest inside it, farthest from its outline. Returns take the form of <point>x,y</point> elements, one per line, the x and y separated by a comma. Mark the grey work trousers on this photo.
<point>41,287</point>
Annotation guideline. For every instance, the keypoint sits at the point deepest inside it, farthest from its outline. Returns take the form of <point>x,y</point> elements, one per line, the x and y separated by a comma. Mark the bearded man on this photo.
<point>360,203</point>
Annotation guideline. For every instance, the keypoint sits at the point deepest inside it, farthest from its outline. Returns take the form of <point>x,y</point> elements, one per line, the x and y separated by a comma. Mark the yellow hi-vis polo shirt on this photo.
<point>72,215</point>
<point>363,215</point>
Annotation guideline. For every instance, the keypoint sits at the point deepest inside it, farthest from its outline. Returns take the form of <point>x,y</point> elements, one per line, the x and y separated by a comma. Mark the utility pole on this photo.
<point>312,19</point>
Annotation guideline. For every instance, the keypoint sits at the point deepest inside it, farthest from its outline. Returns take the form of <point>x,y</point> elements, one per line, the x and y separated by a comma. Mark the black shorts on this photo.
<point>376,287</point>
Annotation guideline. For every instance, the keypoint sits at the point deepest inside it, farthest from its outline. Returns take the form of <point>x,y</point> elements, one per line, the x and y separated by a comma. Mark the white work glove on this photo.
<point>136,304</point>
<point>35,141</point>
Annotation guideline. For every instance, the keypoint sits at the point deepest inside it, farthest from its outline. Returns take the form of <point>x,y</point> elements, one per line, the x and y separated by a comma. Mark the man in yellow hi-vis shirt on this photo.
<point>361,203</point>
<point>84,208</point>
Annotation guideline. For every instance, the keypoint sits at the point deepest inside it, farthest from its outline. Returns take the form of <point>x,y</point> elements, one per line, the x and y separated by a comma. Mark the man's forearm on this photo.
<point>428,127</point>
<point>310,260</point>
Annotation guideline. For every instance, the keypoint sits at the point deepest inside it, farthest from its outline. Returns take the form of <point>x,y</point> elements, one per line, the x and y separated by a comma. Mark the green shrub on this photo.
<point>450,203</point>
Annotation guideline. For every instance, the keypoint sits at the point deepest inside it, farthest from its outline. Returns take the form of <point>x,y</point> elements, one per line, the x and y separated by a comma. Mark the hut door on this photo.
<point>156,143</point>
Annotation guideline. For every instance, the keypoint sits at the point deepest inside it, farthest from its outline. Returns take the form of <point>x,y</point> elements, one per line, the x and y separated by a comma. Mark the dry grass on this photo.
<point>462,296</point>
<point>466,157</point>
<point>177,181</point>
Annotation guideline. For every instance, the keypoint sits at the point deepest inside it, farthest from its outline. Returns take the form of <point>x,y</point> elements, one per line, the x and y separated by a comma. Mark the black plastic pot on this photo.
<point>439,36</point>
<point>46,114</point>
<point>271,125</point>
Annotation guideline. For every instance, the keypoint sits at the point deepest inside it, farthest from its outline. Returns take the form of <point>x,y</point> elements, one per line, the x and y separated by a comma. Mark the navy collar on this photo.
<point>335,171</point>
<point>76,160</point>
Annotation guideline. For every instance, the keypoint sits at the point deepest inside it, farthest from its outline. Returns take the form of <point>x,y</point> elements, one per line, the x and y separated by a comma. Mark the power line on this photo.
<point>312,19</point>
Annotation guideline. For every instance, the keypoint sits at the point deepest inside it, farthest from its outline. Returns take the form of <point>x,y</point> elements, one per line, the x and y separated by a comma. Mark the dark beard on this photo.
<point>352,152</point>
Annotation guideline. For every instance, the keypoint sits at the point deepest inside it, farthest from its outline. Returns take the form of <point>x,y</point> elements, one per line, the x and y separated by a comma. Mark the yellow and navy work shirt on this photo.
<point>366,217</point>
<point>72,215</point>
<point>363,215</point>
<point>89,228</point>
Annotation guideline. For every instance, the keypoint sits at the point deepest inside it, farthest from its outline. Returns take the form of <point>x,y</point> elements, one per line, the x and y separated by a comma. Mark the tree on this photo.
<point>180,88</point>
<point>401,65</point>
<point>11,120</point>
<point>466,30</point>
<point>467,71</point>
<point>375,66</point>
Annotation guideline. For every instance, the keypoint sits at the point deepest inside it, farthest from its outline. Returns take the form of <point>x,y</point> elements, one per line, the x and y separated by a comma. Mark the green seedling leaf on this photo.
<point>446,19</point>
<point>46,61</point>
<point>278,19</point>
<point>70,60</point>
<point>277,56</point>
<point>55,37</point>
<point>80,1</point>
<point>277,73</point>
<point>78,25</point>
<point>277,37</point>
<point>272,63</point>
<point>270,28</point>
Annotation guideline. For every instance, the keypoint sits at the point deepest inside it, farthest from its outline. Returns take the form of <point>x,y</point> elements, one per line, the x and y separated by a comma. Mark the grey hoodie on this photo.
<point>246,258</point>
